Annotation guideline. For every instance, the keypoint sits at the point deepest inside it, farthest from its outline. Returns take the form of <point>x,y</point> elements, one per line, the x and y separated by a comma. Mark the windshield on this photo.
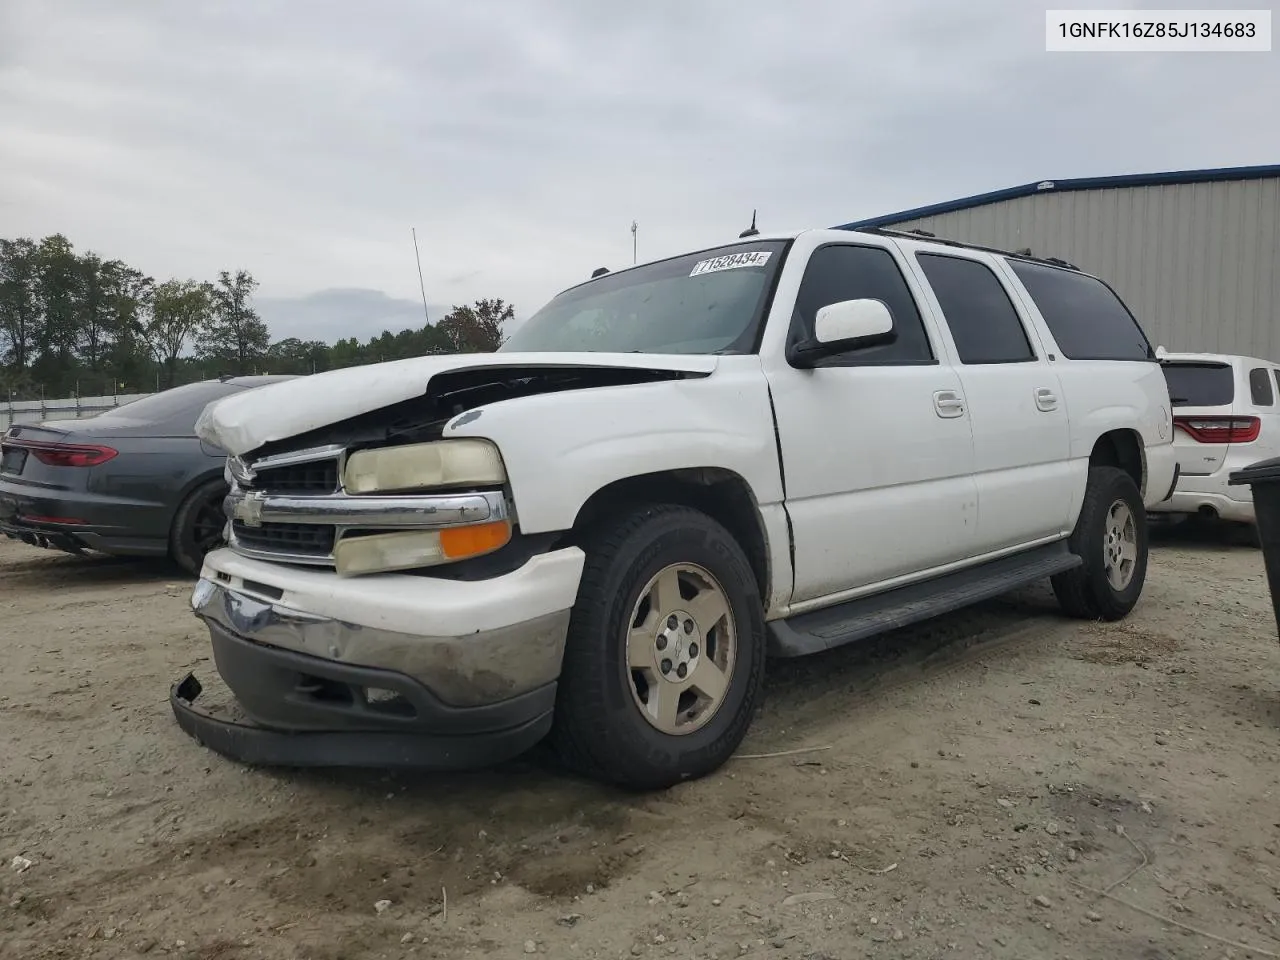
<point>700,303</point>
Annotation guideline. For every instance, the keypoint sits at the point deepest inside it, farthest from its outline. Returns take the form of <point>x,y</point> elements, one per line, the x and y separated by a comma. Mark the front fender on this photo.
<point>560,448</point>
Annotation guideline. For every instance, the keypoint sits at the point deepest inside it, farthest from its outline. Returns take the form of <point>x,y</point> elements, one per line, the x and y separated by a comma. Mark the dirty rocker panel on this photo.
<point>868,616</point>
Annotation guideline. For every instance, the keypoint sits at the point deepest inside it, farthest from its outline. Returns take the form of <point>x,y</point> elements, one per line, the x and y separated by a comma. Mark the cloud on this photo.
<point>522,139</point>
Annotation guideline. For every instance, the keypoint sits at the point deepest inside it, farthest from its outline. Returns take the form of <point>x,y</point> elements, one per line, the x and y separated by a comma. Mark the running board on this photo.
<point>864,617</point>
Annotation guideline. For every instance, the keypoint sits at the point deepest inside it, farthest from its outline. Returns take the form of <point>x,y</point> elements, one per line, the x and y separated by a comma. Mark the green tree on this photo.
<point>234,334</point>
<point>295,356</point>
<point>19,307</point>
<point>59,292</point>
<point>93,309</point>
<point>478,328</point>
<point>129,292</point>
<point>67,317</point>
<point>180,310</point>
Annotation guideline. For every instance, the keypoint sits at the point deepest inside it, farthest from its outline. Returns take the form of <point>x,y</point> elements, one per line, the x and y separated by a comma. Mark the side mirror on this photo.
<point>844,326</point>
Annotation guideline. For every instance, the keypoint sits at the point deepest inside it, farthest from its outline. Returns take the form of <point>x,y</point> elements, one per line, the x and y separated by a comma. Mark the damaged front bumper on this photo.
<point>394,670</point>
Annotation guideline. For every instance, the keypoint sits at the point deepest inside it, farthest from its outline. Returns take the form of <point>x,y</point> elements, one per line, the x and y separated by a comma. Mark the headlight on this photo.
<point>410,549</point>
<point>424,466</point>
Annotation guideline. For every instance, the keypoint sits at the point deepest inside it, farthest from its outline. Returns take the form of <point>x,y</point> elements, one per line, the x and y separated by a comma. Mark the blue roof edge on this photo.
<point>1066,186</point>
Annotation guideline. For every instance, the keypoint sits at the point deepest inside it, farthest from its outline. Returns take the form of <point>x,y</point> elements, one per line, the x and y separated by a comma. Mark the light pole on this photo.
<point>421,285</point>
<point>634,228</point>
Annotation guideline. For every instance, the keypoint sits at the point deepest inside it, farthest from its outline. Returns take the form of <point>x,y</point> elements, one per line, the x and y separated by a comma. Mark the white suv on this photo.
<point>600,531</point>
<point>1225,417</point>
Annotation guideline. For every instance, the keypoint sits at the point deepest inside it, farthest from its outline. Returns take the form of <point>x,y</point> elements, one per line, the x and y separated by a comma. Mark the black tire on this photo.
<point>600,731</point>
<point>1086,592</point>
<point>198,526</point>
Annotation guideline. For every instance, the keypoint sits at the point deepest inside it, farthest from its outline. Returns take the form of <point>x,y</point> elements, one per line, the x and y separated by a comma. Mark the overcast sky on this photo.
<point>303,140</point>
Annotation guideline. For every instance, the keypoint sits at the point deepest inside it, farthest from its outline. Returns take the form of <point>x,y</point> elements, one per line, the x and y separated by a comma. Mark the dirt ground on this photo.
<point>1000,783</point>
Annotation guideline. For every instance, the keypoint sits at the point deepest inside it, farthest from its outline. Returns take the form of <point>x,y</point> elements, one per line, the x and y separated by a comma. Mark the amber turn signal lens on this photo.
<point>459,542</point>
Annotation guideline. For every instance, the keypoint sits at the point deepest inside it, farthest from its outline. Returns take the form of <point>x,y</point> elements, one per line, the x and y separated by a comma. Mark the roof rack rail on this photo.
<point>1024,254</point>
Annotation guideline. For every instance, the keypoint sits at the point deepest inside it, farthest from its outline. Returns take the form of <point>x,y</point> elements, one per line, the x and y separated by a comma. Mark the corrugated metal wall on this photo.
<point>1199,264</point>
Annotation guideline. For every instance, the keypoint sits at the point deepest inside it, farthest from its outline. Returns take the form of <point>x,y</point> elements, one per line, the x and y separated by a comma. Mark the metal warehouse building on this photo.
<point>1195,254</point>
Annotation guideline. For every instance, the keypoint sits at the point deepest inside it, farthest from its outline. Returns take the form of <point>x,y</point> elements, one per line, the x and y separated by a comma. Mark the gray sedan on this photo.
<point>135,481</point>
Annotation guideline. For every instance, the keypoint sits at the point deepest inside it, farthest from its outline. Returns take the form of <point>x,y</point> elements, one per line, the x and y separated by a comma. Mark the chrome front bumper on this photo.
<point>388,670</point>
<point>461,670</point>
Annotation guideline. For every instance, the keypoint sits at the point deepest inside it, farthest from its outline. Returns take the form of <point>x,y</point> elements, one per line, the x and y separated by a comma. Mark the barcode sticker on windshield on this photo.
<point>756,258</point>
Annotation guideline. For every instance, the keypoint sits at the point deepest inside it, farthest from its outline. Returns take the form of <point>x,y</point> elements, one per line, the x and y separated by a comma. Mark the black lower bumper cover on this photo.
<point>43,536</point>
<point>264,746</point>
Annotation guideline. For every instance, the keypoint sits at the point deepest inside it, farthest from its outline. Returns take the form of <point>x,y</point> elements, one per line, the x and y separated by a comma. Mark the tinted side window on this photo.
<point>839,272</point>
<point>983,322</point>
<point>1260,387</point>
<point>1086,318</point>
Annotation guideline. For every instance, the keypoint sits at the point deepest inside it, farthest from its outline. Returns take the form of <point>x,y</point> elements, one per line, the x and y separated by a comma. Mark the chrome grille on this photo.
<point>320,477</point>
<point>295,539</point>
<point>291,508</point>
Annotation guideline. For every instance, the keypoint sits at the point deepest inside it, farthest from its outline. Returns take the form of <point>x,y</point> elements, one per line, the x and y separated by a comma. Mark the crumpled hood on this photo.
<point>245,421</point>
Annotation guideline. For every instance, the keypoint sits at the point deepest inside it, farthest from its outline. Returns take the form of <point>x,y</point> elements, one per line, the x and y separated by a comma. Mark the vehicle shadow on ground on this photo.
<point>1202,535</point>
<point>1249,705</point>
<point>857,671</point>
<point>41,567</point>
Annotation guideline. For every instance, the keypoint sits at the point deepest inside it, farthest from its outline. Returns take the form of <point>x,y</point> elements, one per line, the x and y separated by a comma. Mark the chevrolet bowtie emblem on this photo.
<point>249,510</point>
<point>241,471</point>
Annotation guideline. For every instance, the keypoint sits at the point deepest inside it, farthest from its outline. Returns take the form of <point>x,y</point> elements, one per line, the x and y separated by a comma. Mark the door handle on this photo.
<point>1046,399</point>
<point>948,403</point>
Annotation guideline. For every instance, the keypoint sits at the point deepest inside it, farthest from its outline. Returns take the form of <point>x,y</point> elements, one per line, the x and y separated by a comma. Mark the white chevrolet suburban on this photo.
<point>667,474</point>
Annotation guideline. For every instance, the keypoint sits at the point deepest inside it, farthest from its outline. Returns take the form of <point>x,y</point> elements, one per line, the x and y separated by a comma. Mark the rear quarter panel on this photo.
<point>1107,395</point>
<point>151,477</point>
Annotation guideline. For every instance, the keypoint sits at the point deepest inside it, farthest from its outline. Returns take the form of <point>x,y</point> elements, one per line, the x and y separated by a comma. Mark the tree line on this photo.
<point>76,324</point>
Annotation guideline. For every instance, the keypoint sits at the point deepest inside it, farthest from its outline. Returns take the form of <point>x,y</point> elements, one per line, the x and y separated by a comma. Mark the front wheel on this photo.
<point>198,526</point>
<point>1111,537</point>
<point>664,662</point>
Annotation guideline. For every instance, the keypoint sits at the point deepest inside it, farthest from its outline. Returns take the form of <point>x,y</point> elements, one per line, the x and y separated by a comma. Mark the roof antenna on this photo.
<point>599,272</point>
<point>751,231</point>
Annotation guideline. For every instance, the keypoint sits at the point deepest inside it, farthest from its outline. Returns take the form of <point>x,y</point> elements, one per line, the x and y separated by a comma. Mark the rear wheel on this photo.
<point>1111,537</point>
<point>664,662</point>
<point>198,526</point>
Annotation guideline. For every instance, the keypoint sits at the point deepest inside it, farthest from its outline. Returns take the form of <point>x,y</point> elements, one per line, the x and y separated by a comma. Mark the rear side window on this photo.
<point>1200,384</point>
<point>1260,387</point>
<point>844,272</point>
<point>1086,318</point>
<point>983,322</point>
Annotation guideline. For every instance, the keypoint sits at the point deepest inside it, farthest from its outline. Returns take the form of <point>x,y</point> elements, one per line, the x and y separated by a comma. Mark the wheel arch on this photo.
<point>188,489</point>
<point>722,494</point>
<point>1122,448</point>
<point>189,486</point>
